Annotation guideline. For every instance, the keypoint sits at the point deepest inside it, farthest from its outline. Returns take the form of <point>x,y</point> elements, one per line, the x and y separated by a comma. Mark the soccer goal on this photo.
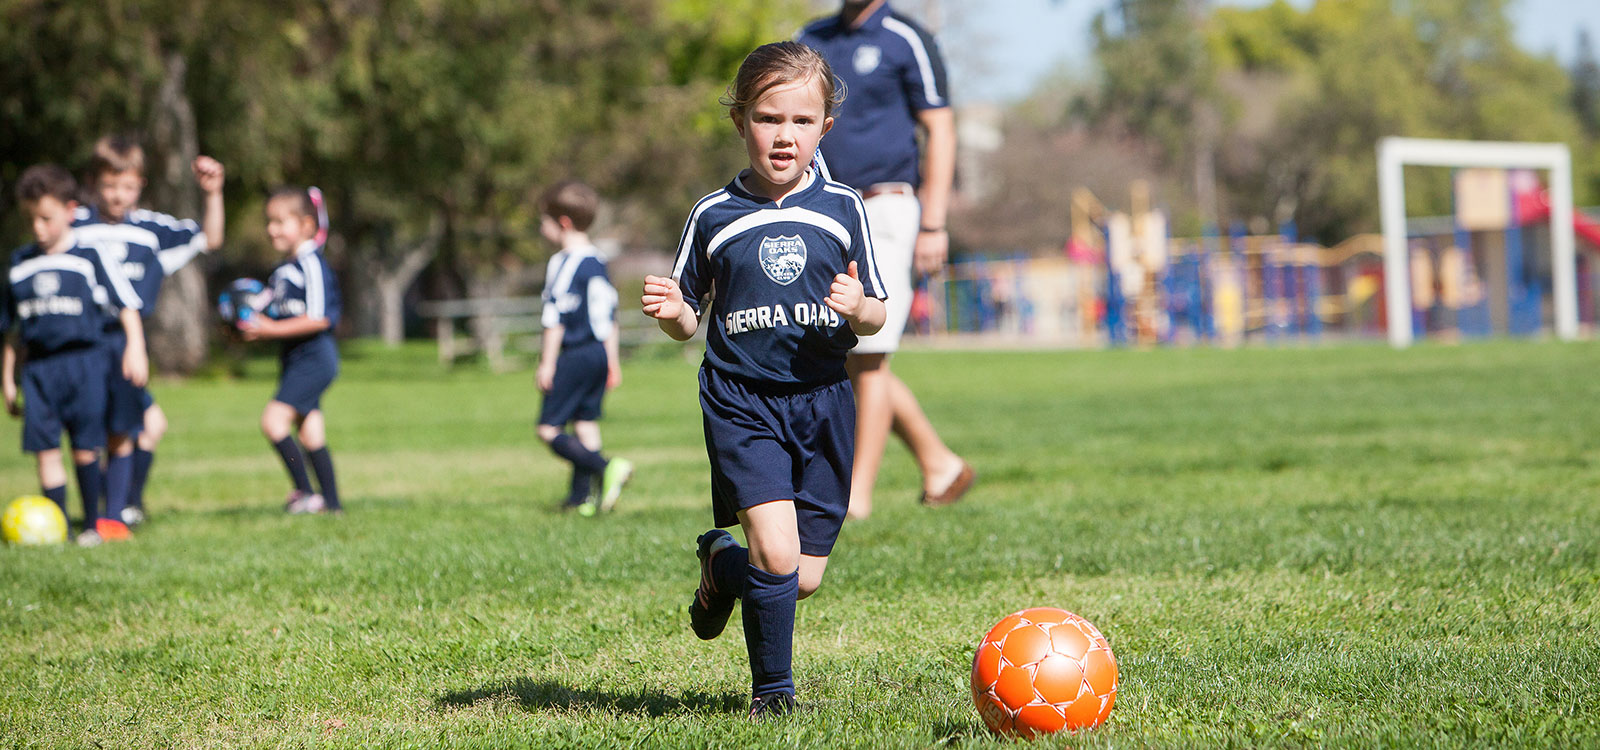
<point>1395,153</point>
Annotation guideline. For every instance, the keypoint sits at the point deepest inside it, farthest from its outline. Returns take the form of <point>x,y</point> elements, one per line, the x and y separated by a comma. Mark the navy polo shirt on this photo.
<point>579,297</point>
<point>769,267</point>
<point>892,70</point>
<point>305,286</point>
<point>63,301</point>
<point>148,245</point>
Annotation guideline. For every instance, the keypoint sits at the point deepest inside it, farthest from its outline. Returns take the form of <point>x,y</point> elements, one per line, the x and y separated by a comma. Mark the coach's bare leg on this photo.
<point>870,376</point>
<point>940,466</point>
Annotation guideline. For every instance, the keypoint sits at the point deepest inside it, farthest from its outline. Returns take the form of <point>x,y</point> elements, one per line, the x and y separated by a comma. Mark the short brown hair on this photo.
<point>46,180</point>
<point>777,64</point>
<point>572,199</point>
<point>116,153</point>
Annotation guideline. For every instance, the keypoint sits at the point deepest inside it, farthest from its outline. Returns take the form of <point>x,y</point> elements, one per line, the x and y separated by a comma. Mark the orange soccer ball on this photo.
<point>1041,670</point>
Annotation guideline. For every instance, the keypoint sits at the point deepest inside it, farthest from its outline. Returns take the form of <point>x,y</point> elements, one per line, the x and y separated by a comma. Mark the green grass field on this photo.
<point>1292,547</point>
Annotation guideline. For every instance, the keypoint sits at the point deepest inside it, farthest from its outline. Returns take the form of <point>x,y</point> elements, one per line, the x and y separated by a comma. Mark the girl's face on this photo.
<point>781,132</point>
<point>287,228</point>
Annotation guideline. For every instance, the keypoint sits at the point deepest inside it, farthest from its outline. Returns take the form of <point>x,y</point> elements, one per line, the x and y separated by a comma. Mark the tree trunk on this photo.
<point>392,285</point>
<point>178,336</point>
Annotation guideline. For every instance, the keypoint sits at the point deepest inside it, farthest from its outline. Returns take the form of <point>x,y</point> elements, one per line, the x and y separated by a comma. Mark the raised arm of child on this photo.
<point>209,173</point>
<point>663,300</point>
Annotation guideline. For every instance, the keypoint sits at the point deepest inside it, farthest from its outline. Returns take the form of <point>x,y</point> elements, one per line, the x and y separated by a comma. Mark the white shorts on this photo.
<point>893,220</point>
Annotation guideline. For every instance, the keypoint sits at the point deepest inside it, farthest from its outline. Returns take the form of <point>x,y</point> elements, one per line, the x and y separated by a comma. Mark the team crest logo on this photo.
<point>46,284</point>
<point>783,258</point>
<point>866,59</point>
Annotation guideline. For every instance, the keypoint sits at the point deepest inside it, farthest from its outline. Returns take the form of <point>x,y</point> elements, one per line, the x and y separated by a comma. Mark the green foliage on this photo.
<point>410,114</point>
<point>1307,93</point>
<point>1331,547</point>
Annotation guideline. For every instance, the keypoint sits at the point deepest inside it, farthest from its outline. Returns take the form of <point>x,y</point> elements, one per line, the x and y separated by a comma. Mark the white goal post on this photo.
<point>1395,153</point>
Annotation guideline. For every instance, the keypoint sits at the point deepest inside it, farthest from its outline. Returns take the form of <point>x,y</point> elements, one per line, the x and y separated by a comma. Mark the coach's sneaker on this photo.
<point>618,472</point>
<point>771,706</point>
<point>132,515</point>
<point>112,530</point>
<point>708,613</point>
<point>301,503</point>
<point>88,538</point>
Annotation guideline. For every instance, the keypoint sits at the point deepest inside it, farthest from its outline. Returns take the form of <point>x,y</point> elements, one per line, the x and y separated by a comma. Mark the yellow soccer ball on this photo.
<point>32,520</point>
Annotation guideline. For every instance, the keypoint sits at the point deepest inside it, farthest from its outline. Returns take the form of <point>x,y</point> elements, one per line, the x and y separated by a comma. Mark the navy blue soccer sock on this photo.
<point>295,461</point>
<point>568,447</point>
<point>322,464</point>
<point>768,608</point>
<point>582,481</point>
<point>729,569</point>
<point>57,495</point>
<point>119,476</point>
<point>89,479</point>
<point>142,459</point>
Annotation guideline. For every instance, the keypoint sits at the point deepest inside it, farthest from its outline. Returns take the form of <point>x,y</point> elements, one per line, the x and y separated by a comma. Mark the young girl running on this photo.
<point>788,258</point>
<point>304,311</point>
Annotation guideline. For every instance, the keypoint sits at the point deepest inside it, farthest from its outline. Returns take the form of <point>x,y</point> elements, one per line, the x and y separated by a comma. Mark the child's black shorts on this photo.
<point>67,391</point>
<point>771,443</point>
<point>309,367</point>
<point>578,388</point>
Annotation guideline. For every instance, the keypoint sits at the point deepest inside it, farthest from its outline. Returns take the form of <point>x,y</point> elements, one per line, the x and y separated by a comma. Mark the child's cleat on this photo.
<point>132,516</point>
<point>618,472</point>
<point>112,530</point>
<point>589,507</point>
<point>88,538</point>
<point>771,706</point>
<point>302,503</point>
<point>708,613</point>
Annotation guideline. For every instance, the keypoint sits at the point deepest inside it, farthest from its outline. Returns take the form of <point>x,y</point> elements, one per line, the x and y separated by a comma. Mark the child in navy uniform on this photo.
<point>578,358</point>
<point>304,311</point>
<point>787,256</point>
<point>150,246</point>
<point>56,295</point>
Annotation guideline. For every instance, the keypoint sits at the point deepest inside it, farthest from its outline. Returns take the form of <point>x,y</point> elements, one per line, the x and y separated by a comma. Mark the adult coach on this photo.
<point>894,83</point>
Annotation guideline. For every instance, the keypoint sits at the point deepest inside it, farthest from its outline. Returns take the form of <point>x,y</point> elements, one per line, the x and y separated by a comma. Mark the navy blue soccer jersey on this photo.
<point>578,296</point>
<point>892,70</point>
<point>62,301</point>
<point>305,286</point>
<point>148,245</point>
<point>769,267</point>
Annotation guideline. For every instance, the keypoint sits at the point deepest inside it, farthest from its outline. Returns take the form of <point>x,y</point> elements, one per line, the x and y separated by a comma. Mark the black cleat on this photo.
<point>771,706</point>
<point>708,613</point>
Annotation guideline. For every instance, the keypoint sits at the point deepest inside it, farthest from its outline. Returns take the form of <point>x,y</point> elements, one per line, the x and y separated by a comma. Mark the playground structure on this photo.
<point>1492,268</point>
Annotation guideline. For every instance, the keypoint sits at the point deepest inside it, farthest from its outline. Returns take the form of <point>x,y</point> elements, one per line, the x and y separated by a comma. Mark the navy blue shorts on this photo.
<point>65,391</point>
<point>772,443</point>
<point>308,368</point>
<point>125,402</point>
<point>578,388</point>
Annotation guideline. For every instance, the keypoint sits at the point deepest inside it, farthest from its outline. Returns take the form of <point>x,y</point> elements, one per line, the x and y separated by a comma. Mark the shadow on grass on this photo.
<point>548,695</point>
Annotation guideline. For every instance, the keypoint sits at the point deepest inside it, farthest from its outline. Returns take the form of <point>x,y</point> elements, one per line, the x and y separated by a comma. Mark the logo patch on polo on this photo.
<point>783,258</point>
<point>46,284</point>
<point>866,59</point>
